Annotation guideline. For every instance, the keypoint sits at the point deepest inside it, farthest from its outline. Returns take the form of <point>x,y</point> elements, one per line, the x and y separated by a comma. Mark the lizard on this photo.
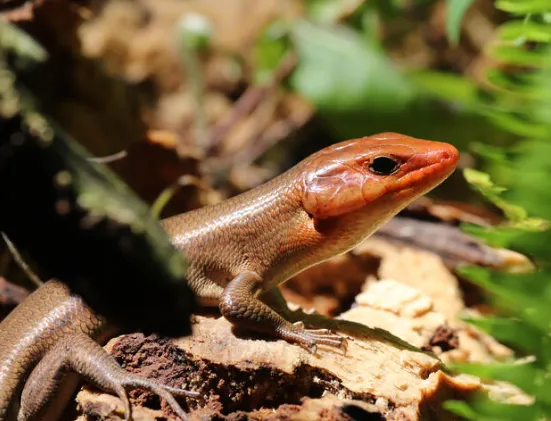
<point>239,251</point>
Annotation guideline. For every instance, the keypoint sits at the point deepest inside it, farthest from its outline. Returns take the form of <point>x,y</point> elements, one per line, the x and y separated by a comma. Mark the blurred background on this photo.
<point>235,92</point>
<point>194,101</point>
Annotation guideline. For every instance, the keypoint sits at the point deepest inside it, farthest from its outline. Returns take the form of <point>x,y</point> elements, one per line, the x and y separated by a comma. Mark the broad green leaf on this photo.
<point>371,24</point>
<point>338,71</point>
<point>456,10</point>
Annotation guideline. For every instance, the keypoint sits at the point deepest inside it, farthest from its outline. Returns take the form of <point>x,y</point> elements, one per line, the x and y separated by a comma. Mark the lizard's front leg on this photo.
<point>240,305</point>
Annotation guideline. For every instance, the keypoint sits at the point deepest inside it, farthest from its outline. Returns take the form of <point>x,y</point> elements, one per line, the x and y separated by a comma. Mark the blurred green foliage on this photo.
<point>352,68</point>
<point>345,69</point>
<point>521,105</point>
<point>456,10</point>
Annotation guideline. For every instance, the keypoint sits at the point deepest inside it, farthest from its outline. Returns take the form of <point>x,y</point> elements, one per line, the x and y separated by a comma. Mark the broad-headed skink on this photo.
<point>239,251</point>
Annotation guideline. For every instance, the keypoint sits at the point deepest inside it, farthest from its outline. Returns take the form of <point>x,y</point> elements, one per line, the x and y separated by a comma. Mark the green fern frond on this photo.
<point>521,105</point>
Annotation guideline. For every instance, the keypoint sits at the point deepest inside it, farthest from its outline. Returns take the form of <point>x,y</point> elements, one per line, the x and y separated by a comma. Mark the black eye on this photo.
<point>383,165</point>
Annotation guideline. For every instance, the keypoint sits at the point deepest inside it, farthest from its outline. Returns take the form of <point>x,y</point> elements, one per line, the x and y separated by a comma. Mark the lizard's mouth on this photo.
<point>419,181</point>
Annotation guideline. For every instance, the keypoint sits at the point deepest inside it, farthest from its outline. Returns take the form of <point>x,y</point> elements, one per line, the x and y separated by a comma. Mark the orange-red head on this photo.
<point>383,173</point>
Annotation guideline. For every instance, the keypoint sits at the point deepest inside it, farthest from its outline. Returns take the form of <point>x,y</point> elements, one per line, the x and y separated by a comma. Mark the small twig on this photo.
<point>264,114</point>
<point>244,105</point>
<point>168,193</point>
<point>21,262</point>
<point>248,101</point>
<point>109,158</point>
<point>255,94</point>
<point>265,141</point>
<point>197,87</point>
<point>449,242</point>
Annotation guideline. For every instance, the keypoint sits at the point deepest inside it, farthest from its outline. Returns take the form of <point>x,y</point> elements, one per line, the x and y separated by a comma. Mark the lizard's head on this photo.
<point>379,174</point>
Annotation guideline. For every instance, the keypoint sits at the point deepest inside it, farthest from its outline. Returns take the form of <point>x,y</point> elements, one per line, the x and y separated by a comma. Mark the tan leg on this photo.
<point>242,308</point>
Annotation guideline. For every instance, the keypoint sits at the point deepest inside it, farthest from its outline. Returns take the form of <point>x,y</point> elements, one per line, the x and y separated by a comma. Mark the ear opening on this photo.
<point>332,191</point>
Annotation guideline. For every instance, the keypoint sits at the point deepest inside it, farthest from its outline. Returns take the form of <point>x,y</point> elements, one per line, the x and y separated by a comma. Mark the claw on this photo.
<point>309,346</point>
<point>321,332</point>
<point>310,339</point>
<point>163,391</point>
<point>299,325</point>
<point>183,392</point>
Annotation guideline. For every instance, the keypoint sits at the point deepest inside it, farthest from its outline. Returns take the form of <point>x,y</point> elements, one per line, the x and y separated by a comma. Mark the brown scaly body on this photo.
<point>59,332</point>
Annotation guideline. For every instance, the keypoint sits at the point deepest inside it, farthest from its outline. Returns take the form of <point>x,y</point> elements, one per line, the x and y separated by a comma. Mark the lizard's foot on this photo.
<point>240,306</point>
<point>79,353</point>
<point>311,338</point>
<point>126,381</point>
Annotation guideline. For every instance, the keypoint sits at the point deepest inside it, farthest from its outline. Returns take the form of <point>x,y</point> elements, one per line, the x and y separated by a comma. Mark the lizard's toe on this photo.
<point>163,391</point>
<point>311,338</point>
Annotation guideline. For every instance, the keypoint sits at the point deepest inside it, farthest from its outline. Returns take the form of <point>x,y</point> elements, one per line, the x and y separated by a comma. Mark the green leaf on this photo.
<point>515,124</point>
<point>524,6</point>
<point>501,237</point>
<point>339,71</point>
<point>521,373</point>
<point>456,10</point>
<point>270,48</point>
<point>532,308</point>
<point>446,86</point>
<point>514,213</point>
<point>520,31</point>
<point>510,331</point>
<point>517,86</point>
<point>530,240</point>
<point>512,54</point>
<point>484,409</point>
<point>464,410</point>
<point>481,182</point>
<point>327,11</point>
<point>529,176</point>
